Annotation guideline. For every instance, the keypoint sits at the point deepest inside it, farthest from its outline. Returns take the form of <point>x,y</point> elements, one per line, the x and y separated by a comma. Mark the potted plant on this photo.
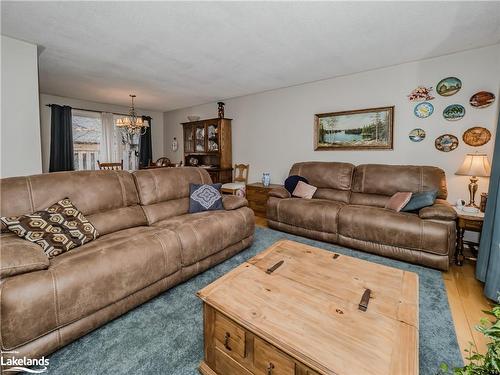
<point>489,362</point>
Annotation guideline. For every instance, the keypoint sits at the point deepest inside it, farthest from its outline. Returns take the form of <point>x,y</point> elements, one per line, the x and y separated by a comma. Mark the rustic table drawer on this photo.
<point>229,337</point>
<point>225,365</point>
<point>269,360</point>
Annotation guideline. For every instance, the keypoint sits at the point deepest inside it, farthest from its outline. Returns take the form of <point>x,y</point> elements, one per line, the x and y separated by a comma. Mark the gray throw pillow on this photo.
<point>420,200</point>
<point>205,197</point>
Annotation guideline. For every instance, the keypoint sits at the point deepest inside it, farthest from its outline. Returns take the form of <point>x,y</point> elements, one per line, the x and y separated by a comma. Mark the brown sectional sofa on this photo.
<point>348,209</point>
<point>148,243</point>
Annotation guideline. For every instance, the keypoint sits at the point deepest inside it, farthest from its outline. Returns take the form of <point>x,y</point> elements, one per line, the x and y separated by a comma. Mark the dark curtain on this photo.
<point>488,262</point>
<point>145,148</point>
<point>61,139</point>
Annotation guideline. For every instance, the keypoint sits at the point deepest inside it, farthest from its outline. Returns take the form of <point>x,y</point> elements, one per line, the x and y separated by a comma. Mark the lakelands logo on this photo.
<point>30,365</point>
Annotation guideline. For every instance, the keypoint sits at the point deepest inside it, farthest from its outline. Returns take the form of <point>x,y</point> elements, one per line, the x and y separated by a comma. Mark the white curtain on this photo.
<point>106,151</point>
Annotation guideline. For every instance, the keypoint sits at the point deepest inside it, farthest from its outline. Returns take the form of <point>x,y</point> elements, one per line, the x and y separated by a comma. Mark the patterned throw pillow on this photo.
<point>57,229</point>
<point>204,197</point>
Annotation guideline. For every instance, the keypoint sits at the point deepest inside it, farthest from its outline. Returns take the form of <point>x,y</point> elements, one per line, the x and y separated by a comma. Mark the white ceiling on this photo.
<point>174,54</point>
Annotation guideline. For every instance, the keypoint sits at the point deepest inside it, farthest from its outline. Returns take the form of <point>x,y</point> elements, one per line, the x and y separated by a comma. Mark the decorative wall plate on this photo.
<point>454,112</point>
<point>448,86</point>
<point>476,136</point>
<point>421,93</point>
<point>482,99</point>
<point>446,142</point>
<point>417,135</point>
<point>423,110</point>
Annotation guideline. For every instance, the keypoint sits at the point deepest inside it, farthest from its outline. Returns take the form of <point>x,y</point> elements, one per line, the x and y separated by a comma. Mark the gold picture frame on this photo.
<point>362,129</point>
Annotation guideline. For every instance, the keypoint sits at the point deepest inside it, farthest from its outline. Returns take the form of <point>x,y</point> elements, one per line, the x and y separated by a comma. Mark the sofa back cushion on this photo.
<point>108,199</point>
<point>164,192</point>
<point>373,184</point>
<point>332,179</point>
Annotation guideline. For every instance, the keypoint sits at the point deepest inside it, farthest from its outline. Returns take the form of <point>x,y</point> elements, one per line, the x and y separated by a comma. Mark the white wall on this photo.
<point>20,119</point>
<point>157,135</point>
<point>274,129</point>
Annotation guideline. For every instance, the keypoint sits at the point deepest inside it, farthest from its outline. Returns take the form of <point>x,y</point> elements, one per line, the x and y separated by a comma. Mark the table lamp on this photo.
<point>475,165</point>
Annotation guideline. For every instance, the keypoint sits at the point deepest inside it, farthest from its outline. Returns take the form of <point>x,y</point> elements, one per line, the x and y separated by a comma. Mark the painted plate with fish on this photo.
<point>423,110</point>
<point>446,142</point>
<point>448,86</point>
<point>454,112</point>
<point>417,135</point>
<point>482,99</point>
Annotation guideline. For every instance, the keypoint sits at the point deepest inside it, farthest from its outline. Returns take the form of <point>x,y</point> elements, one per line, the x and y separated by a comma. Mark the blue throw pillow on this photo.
<point>292,181</point>
<point>420,200</point>
<point>204,197</point>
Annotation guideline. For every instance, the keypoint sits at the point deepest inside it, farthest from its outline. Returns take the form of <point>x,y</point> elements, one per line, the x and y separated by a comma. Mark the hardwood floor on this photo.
<point>466,299</point>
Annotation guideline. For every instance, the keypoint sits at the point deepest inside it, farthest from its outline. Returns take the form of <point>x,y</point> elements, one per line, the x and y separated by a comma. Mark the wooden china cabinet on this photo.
<point>207,144</point>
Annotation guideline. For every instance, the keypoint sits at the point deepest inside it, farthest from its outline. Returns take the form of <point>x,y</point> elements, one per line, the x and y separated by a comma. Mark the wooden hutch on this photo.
<point>209,143</point>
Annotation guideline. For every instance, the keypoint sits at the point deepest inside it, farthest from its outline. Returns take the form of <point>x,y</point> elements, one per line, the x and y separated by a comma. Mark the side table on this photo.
<point>257,195</point>
<point>466,221</point>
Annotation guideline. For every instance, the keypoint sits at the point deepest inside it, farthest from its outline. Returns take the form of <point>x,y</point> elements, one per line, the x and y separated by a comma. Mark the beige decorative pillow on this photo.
<point>398,200</point>
<point>303,190</point>
<point>57,229</point>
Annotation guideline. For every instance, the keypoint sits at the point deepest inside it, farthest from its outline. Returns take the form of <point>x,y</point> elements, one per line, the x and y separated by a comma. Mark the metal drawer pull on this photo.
<point>363,304</point>
<point>270,270</point>
<point>226,341</point>
<point>270,368</point>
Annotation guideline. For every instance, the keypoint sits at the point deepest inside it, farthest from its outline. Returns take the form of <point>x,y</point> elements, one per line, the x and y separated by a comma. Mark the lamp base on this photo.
<point>472,191</point>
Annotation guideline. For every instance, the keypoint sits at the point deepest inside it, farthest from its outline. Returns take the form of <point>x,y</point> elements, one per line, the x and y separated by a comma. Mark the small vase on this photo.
<point>266,179</point>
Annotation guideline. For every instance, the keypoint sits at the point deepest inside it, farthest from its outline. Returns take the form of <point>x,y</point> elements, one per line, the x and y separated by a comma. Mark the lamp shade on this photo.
<point>475,165</point>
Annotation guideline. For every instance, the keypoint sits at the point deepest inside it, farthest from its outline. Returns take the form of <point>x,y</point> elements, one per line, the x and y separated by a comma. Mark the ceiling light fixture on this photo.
<point>132,124</point>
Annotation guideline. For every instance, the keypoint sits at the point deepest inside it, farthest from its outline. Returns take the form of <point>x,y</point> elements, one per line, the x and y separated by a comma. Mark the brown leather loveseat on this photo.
<point>148,243</point>
<point>348,209</point>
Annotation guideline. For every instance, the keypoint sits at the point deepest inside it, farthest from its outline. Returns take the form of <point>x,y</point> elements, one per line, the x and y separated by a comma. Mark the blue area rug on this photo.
<point>165,335</point>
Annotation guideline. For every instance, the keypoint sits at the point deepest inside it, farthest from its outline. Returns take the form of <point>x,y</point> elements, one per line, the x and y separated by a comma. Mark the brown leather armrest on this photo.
<point>279,192</point>
<point>232,202</point>
<point>20,256</point>
<point>441,210</point>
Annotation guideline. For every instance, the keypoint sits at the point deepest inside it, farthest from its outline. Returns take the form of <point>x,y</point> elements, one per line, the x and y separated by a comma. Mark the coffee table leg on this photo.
<point>459,252</point>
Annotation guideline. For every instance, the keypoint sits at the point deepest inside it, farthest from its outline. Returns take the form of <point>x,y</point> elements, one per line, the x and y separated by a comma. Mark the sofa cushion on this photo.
<point>314,214</point>
<point>19,256</point>
<point>401,229</point>
<point>107,198</point>
<point>164,192</point>
<point>389,179</point>
<point>206,233</point>
<point>84,280</point>
<point>56,229</point>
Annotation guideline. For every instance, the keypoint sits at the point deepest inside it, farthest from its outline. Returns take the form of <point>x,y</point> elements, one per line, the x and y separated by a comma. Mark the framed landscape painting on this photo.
<point>364,129</point>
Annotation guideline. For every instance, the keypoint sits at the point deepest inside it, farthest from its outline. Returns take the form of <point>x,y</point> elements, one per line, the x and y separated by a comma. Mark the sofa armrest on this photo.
<point>232,202</point>
<point>20,256</point>
<point>279,192</point>
<point>441,210</point>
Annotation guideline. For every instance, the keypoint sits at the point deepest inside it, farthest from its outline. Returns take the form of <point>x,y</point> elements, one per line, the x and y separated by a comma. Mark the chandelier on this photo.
<point>132,124</point>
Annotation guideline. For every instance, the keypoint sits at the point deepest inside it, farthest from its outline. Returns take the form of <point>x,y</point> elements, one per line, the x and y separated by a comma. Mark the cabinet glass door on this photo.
<point>200,138</point>
<point>213,138</point>
<point>188,139</point>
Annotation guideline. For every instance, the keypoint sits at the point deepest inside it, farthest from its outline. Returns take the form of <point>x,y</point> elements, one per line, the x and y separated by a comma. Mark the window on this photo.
<point>89,141</point>
<point>87,132</point>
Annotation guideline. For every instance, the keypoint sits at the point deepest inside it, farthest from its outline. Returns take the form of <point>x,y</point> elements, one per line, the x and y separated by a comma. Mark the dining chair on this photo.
<point>240,180</point>
<point>110,166</point>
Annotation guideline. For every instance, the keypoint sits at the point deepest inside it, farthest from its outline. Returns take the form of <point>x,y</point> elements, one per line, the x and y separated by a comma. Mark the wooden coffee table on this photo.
<point>297,310</point>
